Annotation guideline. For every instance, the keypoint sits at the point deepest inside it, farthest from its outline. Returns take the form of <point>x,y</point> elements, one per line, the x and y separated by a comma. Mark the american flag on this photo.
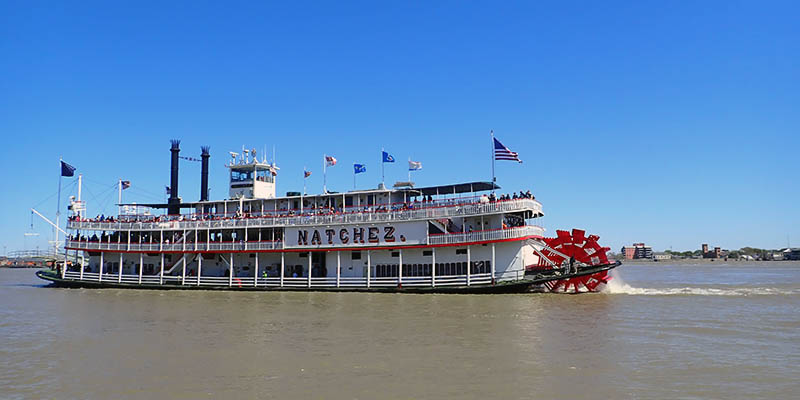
<point>330,161</point>
<point>503,153</point>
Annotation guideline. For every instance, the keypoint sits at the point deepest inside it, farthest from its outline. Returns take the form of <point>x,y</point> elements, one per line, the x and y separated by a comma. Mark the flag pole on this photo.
<point>354,177</point>
<point>58,208</point>
<point>383,176</point>
<point>324,174</point>
<point>493,177</point>
<point>119,197</point>
<point>409,169</point>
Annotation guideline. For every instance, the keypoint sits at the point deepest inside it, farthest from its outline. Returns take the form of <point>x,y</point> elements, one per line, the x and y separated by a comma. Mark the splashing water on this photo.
<point>618,286</point>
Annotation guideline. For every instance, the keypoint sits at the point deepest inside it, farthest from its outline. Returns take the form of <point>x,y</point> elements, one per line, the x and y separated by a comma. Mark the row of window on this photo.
<point>455,268</point>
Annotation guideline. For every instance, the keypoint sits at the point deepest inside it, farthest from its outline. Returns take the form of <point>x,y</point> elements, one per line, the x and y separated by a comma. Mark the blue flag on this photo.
<point>387,157</point>
<point>67,170</point>
<point>359,168</point>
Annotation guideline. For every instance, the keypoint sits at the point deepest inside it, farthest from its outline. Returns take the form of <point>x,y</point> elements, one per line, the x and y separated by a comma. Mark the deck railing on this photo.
<point>487,235</point>
<point>193,247</point>
<point>420,211</point>
<point>302,282</point>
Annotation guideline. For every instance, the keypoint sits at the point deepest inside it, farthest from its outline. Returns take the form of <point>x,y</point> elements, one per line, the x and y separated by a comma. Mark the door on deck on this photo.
<point>318,268</point>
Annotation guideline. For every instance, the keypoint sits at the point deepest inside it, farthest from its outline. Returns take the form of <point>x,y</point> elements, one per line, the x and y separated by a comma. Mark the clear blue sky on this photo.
<point>672,123</point>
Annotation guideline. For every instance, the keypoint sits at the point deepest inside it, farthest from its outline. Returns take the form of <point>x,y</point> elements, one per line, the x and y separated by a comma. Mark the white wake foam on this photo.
<point>618,286</point>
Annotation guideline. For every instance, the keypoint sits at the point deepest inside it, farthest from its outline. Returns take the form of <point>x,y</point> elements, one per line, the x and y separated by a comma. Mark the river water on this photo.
<point>661,331</point>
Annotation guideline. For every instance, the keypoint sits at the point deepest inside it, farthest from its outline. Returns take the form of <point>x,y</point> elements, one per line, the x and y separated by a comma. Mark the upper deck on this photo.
<point>392,212</point>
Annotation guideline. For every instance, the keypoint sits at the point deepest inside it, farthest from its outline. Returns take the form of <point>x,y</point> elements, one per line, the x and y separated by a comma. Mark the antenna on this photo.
<point>233,156</point>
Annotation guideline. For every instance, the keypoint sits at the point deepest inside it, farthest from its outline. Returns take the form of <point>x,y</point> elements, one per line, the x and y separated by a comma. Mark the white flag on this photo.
<point>414,165</point>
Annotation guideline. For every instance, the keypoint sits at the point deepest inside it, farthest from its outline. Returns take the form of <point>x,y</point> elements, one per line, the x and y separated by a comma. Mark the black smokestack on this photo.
<point>204,173</point>
<point>174,201</point>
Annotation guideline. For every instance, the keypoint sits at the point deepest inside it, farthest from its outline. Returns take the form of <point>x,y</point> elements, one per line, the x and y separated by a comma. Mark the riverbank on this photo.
<point>709,261</point>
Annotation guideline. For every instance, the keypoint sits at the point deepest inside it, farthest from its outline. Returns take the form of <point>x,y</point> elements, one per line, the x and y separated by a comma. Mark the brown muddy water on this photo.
<point>661,331</point>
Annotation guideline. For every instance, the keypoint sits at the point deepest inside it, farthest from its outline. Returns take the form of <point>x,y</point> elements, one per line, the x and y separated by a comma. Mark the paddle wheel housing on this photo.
<point>570,250</point>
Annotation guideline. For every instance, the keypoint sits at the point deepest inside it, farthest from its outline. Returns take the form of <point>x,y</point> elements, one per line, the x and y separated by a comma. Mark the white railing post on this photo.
<point>283,267</point>
<point>255,274</point>
<point>369,268</point>
<point>338,267</point>
<point>433,267</point>
<point>230,272</point>
<point>469,267</point>
<point>199,268</point>
<point>309,269</point>
<point>493,267</point>
<point>161,273</point>
<point>76,263</point>
<point>183,273</point>
<point>141,264</point>
<point>100,277</point>
<point>400,269</point>
<point>119,273</point>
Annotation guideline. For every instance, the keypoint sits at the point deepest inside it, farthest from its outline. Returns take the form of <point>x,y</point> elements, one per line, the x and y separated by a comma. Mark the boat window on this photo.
<point>264,175</point>
<point>240,175</point>
<point>356,255</point>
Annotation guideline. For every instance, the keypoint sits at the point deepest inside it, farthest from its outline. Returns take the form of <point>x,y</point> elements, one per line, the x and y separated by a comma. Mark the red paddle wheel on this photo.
<point>584,250</point>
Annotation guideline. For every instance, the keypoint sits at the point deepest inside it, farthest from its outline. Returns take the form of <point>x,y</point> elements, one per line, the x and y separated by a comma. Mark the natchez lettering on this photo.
<point>359,235</point>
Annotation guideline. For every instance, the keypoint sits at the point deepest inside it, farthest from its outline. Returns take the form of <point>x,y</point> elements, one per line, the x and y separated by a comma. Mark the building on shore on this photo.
<point>716,253</point>
<point>662,256</point>
<point>637,251</point>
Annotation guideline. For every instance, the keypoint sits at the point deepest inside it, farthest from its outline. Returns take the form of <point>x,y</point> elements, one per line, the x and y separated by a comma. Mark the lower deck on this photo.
<point>483,264</point>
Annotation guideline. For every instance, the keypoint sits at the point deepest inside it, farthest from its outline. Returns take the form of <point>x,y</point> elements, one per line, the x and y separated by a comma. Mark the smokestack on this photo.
<point>174,201</point>
<point>204,173</point>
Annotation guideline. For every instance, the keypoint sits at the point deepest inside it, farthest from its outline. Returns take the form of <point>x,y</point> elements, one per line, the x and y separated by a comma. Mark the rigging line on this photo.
<point>54,194</point>
<point>147,191</point>
<point>149,196</point>
<point>95,197</point>
<point>99,182</point>
<point>106,202</point>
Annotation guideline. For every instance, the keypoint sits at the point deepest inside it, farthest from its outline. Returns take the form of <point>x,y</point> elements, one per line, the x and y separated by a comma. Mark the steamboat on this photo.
<point>458,238</point>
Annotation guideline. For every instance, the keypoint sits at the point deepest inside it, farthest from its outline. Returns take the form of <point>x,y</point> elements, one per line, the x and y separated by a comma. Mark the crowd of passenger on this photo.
<point>312,210</point>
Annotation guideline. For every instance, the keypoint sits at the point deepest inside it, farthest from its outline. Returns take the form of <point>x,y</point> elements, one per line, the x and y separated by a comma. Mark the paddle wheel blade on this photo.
<point>576,246</point>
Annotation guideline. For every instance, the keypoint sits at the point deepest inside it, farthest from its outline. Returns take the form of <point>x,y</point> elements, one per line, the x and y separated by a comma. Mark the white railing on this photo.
<point>302,282</point>
<point>427,212</point>
<point>433,239</point>
<point>480,236</point>
<point>188,248</point>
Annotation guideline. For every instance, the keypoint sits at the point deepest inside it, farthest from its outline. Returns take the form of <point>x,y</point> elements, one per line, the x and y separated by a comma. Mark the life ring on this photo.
<point>239,282</point>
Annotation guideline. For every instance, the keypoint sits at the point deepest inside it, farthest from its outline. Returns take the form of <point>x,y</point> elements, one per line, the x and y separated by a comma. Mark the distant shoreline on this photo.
<point>710,261</point>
